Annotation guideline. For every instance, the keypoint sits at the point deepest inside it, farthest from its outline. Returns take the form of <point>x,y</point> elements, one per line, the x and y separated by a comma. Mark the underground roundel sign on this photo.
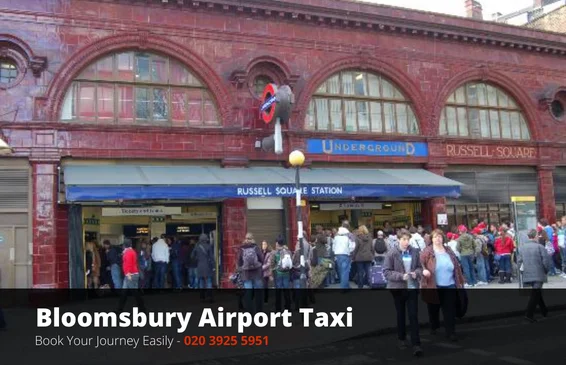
<point>269,103</point>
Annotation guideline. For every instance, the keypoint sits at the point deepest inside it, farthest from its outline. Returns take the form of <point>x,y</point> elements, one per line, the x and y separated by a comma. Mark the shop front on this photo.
<point>140,202</point>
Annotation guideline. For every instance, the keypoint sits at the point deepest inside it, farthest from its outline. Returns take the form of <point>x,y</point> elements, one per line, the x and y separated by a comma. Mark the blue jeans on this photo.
<point>343,262</point>
<point>116,273</point>
<point>468,267</point>
<point>505,263</point>
<point>563,257</point>
<point>282,281</point>
<point>177,270</point>
<point>159,274</point>
<point>192,277</point>
<point>253,291</point>
<point>482,268</point>
<point>205,281</point>
<point>133,283</point>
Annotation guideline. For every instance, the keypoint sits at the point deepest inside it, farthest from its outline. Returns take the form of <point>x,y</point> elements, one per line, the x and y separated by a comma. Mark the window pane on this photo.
<point>160,104</point>
<point>336,115</point>
<point>106,68</point>
<point>347,83</point>
<point>484,121</point>
<point>322,118</point>
<point>505,125</point>
<point>397,94</point>
<point>334,85</point>
<point>179,74</point>
<point>451,121</point>
<point>158,69</point>
<point>260,83</point>
<point>452,98</point>
<point>491,96</point>
<point>87,110</point>
<point>413,124</point>
<point>142,103</point>
<point>363,116</point>
<point>482,94</point>
<point>461,95</point>
<point>373,81</point>
<point>474,119</point>
<point>515,126</point>
<point>69,111</point>
<point>142,67</point>
<point>503,99</point>
<point>402,119</point>
<point>89,72</point>
<point>389,117</point>
<point>442,129</point>
<point>512,103</point>
<point>210,115</point>
<point>350,110</point>
<point>494,121</point>
<point>105,95</point>
<point>125,103</point>
<point>387,89</point>
<point>195,107</point>
<point>472,91</point>
<point>360,84</point>
<point>376,117</point>
<point>193,80</point>
<point>322,88</point>
<point>125,66</point>
<point>179,107</point>
<point>310,122</point>
<point>463,123</point>
<point>524,129</point>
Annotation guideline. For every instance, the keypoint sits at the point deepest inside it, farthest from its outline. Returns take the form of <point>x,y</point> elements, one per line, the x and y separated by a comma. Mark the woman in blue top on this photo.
<point>441,270</point>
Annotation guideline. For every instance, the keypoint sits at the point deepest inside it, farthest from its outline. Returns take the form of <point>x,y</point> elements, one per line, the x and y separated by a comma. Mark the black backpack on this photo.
<point>380,246</point>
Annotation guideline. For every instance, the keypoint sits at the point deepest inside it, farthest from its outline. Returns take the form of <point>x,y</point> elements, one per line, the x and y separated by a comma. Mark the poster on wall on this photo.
<point>442,219</point>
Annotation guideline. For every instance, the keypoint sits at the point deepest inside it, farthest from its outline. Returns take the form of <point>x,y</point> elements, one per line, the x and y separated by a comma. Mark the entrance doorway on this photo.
<point>375,215</point>
<point>183,223</point>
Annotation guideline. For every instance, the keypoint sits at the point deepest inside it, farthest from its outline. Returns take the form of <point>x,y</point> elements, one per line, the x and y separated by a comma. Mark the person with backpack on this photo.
<point>250,263</point>
<point>467,248</point>
<point>481,256</point>
<point>380,247</point>
<point>281,264</point>
<point>267,273</point>
<point>343,247</point>
<point>203,253</point>
<point>417,241</point>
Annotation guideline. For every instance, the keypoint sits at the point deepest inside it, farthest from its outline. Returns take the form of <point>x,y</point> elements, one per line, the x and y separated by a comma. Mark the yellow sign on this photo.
<point>517,199</point>
<point>303,203</point>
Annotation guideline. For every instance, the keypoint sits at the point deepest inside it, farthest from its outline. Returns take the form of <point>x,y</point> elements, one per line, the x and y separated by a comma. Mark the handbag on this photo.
<point>461,303</point>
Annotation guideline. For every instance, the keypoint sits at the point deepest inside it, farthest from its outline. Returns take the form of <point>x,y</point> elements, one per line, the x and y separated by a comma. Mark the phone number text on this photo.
<point>226,340</point>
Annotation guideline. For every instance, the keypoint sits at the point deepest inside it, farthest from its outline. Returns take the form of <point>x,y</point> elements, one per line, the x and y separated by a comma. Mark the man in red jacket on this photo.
<point>131,276</point>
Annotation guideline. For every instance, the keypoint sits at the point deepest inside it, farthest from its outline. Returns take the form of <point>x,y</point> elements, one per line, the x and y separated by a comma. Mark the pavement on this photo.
<point>554,282</point>
<point>511,341</point>
<point>373,313</point>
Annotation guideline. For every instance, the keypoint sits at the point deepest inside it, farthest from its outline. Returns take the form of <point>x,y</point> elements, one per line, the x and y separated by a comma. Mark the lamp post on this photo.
<point>297,159</point>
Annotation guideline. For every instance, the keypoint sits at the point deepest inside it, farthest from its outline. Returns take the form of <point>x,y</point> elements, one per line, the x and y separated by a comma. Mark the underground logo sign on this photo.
<point>269,103</point>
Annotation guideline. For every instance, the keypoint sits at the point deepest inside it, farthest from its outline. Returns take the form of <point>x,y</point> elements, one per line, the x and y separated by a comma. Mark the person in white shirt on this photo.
<point>561,228</point>
<point>343,247</point>
<point>417,241</point>
<point>160,257</point>
<point>453,243</point>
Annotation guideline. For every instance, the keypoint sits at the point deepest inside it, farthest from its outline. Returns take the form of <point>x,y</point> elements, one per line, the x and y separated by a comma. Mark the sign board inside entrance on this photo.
<point>145,211</point>
<point>355,206</point>
<point>442,219</point>
<point>194,216</point>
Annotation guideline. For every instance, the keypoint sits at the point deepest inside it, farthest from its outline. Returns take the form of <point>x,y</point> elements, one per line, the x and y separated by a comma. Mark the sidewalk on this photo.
<point>373,312</point>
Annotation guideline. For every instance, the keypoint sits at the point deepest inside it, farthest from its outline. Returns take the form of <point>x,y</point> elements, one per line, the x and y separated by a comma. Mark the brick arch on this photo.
<point>506,84</point>
<point>142,41</point>
<point>366,63</point>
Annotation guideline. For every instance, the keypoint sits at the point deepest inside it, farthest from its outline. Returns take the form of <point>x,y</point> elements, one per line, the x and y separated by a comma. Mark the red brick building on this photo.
<point>135,118</point>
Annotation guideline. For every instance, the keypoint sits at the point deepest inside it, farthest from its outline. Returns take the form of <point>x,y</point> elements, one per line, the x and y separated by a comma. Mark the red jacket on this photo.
<point>504,246</point>
<point>130,261</point>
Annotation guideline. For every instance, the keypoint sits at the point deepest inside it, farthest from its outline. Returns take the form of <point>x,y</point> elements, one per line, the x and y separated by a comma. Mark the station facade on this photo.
<point>135,119</point>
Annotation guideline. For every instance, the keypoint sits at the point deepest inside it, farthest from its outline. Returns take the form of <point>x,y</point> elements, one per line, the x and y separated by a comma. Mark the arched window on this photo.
<point>356,101</point>
<point>139,88</point>
<point>480,110</point>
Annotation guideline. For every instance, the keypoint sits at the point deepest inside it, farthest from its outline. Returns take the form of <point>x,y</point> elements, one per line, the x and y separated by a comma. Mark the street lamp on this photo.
<point>5,148</point>
<point>297,159</point>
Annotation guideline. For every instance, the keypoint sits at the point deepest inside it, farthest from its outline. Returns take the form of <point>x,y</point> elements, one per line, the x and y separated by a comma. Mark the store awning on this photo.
<point>84,183</point>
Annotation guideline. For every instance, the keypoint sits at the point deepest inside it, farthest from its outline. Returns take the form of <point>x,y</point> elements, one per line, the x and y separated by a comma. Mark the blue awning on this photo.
<point>89,183</point>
